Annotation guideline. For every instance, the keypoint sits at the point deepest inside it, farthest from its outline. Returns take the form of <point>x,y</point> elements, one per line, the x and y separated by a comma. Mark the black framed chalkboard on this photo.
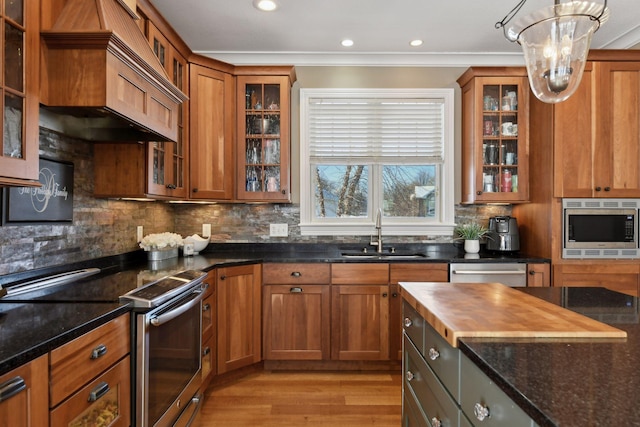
<point>49,204</point>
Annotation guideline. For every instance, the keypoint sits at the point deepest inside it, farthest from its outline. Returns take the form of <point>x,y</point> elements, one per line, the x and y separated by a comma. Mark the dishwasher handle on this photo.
<point>485,272</point>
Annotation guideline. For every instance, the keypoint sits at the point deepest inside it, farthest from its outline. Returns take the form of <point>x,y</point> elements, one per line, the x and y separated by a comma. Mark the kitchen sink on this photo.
<point>388,255</point>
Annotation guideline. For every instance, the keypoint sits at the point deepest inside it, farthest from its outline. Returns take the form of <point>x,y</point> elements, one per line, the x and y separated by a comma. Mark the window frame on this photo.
<point>365,225</point>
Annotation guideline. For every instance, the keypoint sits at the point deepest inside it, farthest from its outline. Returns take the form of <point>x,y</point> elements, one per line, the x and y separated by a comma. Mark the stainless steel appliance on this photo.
<point>508,273</point>
<point>168,334</point>
<point>503,234</point>
<point>600,228</point>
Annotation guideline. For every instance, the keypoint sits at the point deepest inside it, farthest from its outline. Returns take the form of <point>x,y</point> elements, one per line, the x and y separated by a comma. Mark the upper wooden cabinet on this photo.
<point>212,132</point>
<point>263,123</point>
<point>495,135</point>
<point>19,64</point>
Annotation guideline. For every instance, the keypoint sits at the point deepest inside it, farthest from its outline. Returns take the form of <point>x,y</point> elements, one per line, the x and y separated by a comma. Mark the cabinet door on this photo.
<point>538,275</point>
<point>263,138</point>
<point>617,277</point>
<point>19,59</point>
<point>239,316</point>
<point>211,134</point>
<point>574,141</point>
<point>617,151</point>
<point>297,322</point>
<point>28,406</point>
<point>495,138</point>
<point>360,322</point>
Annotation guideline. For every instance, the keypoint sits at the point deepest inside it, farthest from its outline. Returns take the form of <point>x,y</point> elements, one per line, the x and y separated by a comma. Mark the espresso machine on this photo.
<point>503,234</point>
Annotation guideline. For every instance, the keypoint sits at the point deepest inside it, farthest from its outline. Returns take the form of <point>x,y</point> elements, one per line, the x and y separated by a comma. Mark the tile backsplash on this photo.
<point>104,227</point>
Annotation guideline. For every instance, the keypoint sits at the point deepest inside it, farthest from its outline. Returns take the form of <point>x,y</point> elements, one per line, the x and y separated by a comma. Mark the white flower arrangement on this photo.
<point>157,241</point>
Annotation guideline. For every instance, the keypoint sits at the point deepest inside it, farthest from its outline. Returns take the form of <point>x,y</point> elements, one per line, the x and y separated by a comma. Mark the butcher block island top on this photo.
<point>493,310</point>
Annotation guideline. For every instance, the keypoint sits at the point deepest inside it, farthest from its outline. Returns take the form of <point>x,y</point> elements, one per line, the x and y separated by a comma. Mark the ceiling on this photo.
<point>309,32</point>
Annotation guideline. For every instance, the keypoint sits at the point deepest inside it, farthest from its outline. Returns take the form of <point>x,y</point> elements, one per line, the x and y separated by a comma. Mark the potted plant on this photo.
<point>471,233</point>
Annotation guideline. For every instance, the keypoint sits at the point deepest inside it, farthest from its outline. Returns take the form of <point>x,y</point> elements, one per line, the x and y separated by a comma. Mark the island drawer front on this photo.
<point>296,273</point>
<point>477,388</point>
<point>443,359</point>
<point>413,325</point>
<point>412,415</point>
<point>422,382</point>
<point>83,359</point>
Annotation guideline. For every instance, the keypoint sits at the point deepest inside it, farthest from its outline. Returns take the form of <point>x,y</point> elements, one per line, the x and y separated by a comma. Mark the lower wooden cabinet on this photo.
<point>208,331</point>
<point>538,275</point>
<point>239,319</point>
<point>623,278</point>
<point>25,396</point>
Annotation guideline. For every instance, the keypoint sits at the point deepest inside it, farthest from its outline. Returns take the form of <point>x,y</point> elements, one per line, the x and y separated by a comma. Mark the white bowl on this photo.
<point>199,243</point>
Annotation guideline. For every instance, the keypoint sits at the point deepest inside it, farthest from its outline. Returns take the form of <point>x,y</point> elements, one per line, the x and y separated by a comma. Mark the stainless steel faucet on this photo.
<point>378,243</point>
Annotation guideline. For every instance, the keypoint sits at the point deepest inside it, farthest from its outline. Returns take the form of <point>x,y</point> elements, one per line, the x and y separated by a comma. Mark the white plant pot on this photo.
<point>472,246</point>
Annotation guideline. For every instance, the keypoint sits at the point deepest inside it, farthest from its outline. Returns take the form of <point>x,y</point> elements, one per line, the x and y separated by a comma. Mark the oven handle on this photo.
<point>170,315</point>
<point>484,272</point>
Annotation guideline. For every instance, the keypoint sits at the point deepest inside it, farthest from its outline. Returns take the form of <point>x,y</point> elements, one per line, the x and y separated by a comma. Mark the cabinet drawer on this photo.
<point>412,415</point>
<point>293,273</point>
<point>478,390</point>
<point>105,401</point>
<point>413,325</point>
<point>418,272</point>
<point>83,359</point>
<point>435,401</point>
<point>208,316</point>
<point>356,274</point>
<point>443,359</point>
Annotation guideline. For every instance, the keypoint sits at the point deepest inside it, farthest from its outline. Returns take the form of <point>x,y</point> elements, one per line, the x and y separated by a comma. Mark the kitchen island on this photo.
<point>558,381</point>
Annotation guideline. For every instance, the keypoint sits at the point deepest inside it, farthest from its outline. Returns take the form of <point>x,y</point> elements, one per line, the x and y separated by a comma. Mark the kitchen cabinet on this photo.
<point>24,400</point>
<point>360,311</point>
<point>297,316</point>
<point>495,135</point>
<point>598,134</point>
<point>263,120</point>
<point>212,127</point>
<point>239,319</point>
<point>90,376</point>
<point>538,275</point>
<point>408,272</point>
<point>208,331</point>
<point>623,278</point>
<point>19,63</point>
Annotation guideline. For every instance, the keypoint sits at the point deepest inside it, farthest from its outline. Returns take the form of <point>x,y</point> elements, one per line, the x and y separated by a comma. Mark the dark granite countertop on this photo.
<point>30,328</point>
<point>570,382</point>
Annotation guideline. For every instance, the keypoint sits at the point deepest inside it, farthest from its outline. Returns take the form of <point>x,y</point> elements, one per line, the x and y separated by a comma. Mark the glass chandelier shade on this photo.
<point>555,41</point>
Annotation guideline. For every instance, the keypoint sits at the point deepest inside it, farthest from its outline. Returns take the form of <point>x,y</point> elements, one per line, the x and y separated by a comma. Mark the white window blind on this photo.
<point>354,129</point>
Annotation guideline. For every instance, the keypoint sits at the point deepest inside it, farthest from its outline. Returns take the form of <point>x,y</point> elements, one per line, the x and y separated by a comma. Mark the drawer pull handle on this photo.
<point>410,376</point>
<point>295,290</point>
<point>11,388</point>
<point>481,411</point>
<point>407,322</point>
<point>206,351</point>
<point>99,391</point>
<point>296,274</point>
<point>206,307</point>
<point>433,353</point>
<point>436,422</point>
<point>99,351</point>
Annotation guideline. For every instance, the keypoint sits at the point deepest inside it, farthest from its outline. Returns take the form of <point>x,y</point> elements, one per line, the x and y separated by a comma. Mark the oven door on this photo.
<point>168,359</point>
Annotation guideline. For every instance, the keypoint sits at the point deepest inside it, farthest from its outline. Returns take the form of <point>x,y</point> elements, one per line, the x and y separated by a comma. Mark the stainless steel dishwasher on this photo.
<point>511,273</point>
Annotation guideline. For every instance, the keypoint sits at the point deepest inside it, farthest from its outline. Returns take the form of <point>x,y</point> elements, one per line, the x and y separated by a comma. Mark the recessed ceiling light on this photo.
<point>265,5</point>
<point>347,42</point>
<point>415,43</point>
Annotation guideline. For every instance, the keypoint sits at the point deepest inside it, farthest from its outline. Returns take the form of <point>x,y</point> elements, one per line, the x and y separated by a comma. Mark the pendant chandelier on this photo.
<point>555,41</point>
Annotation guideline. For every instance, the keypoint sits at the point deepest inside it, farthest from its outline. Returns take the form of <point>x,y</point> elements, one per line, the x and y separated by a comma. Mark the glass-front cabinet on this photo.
<point>19,92</point>
<point>263,136</point>
<point>495,135</point>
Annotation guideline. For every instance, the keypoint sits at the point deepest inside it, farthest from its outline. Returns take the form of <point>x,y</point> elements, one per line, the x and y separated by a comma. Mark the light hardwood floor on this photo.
<point>294,399</point>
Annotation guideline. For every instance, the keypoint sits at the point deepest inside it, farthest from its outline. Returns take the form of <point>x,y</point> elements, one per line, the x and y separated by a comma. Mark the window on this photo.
<point>364,150</point>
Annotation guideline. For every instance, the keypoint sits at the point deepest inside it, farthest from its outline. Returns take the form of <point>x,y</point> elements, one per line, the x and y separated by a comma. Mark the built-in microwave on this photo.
<point>600,228</point>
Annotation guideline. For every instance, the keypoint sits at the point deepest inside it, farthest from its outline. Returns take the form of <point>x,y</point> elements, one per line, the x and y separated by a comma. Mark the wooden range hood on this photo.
<point>100,74</point>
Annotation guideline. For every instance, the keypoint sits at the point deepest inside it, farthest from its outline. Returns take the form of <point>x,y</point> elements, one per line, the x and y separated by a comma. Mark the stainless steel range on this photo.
<point>167,336</point>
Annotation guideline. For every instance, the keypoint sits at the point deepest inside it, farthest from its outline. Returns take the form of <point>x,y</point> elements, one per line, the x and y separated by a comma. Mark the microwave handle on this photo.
<point>170,315</point>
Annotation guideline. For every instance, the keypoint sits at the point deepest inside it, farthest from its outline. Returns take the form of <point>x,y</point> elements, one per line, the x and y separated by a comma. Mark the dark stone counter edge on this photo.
<point>56,341</point>
<point>539,417</point>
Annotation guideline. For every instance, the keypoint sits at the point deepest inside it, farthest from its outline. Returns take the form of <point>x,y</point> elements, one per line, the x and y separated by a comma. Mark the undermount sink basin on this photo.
<point>374,255</point>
